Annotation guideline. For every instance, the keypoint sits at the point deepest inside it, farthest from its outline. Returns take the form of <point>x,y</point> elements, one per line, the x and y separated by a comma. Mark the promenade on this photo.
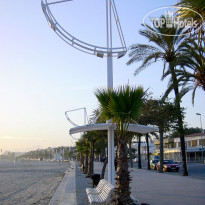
<point>148,187</point>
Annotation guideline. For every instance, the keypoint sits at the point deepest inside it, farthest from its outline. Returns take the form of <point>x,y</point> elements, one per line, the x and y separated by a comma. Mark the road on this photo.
<point>196,170</point>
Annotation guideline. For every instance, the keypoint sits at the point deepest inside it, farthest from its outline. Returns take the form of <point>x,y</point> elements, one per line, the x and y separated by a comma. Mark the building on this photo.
<point>143,147</point>
<point>172,148</point>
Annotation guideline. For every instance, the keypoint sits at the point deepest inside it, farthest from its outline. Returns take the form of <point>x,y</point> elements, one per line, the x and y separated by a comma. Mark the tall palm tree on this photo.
<point>139,163</point>
<point>148,157</point>
<point>193,63</point>
<point>166,48</point>
<point>186,13</point>
<point>121,105</point>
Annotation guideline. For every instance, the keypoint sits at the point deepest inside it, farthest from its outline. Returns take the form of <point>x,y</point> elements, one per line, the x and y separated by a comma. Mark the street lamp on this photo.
<point>202,143</point>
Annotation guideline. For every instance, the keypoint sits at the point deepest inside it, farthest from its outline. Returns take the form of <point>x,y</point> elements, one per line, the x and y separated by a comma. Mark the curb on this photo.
<point>66,192</point>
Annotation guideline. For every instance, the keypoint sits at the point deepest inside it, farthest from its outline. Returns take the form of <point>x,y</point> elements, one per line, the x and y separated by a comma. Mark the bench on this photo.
<point>102,194</point>
<point>98,189</point>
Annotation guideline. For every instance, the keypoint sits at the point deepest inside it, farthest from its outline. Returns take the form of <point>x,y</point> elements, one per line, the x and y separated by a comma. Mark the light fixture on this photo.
<point>101,55</point>
<point>120,54</point>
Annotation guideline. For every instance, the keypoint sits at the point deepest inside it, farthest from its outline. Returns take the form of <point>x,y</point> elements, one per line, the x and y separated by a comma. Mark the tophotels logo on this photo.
<point>169,17</point>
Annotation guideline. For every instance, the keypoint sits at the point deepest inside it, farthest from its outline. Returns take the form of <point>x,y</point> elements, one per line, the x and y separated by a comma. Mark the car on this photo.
<point>153,163</point>
<point>168,165</point>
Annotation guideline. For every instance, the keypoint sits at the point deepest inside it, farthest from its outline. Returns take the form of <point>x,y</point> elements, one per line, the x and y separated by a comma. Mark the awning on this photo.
<point>142,129</point>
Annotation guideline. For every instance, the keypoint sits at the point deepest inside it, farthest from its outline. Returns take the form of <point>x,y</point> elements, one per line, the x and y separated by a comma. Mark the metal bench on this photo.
<point>98,189</point>
<point>104,196</point>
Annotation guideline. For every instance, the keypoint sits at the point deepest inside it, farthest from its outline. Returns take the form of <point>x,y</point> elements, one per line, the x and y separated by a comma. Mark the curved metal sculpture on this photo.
<point>79,44</point>
<point>109,51</point>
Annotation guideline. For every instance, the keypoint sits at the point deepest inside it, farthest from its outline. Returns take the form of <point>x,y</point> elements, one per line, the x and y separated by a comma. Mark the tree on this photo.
<point>187,131</point>
<point>130,136</point>
<point>148,158</point>
<point>186,13</point>
<point>91,138</point>
<point>82,148</point>
<point>192,66</point>
<point>166,49</point>
<point>139,151</point>
<point>121,105</point>
<point>96,117</point>
<point>161,114</point>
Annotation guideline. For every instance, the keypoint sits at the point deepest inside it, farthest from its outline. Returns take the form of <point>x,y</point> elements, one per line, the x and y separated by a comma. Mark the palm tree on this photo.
<point>166,49</point>
<point>121,106</point>
<point>186,13</point>
<point>96,117</point>
<point>193,64</point>
<point>139,151</point>
<point>82,149</point>
<point>91,138</point>
<point>130,136</point>
<point>148,158</point>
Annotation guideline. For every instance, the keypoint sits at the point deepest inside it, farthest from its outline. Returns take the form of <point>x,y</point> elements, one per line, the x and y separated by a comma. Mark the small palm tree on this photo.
<point>121,106</point>
<point>83,148</point>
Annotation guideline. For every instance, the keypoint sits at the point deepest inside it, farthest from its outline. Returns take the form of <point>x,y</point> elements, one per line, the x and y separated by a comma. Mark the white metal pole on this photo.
<point>111,170</point>
<point>202,143</point>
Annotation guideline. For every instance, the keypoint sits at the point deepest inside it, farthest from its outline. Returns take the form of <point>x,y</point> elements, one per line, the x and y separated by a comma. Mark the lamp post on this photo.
<point>202,143</point>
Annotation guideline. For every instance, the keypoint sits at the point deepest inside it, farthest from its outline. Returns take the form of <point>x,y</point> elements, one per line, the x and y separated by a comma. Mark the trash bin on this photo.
<point>96,179</point>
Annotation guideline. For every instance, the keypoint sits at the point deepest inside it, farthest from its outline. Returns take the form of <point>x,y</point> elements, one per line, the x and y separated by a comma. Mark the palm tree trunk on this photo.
<point>183,148</point>
<point>92,171</point>
<point>148,159</point>
<point>86,163</point>
<point>90,163</point>
<point>130,153</point>
<point>139,153</point>
<point>161,157</point>
<point>81,159</point>
<point>123,175</point>
<point>180,120</point>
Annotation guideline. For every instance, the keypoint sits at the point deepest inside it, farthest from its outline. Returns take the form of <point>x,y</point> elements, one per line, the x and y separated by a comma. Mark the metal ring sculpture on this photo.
<point>78,44</point>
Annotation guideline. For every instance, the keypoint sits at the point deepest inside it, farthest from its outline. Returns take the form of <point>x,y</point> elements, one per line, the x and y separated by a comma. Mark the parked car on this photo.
<point>168,165</point>
<point>153,163</point>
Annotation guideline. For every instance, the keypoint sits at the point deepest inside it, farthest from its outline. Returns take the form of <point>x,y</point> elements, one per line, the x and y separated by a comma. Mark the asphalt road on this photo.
<point>196,170</point>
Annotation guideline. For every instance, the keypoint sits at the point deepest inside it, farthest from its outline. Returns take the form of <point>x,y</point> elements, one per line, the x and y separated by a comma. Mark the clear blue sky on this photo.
<point>41,76</point>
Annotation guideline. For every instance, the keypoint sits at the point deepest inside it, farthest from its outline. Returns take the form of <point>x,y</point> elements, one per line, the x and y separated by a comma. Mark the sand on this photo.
<point>29,182</point>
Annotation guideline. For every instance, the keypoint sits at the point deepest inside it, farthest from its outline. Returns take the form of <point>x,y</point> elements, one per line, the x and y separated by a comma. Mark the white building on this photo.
<point>172,148</point>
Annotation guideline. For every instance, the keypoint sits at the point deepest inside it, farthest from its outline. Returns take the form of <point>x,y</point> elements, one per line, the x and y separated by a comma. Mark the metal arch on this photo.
<point>78,44</point>
<point>85,116</point>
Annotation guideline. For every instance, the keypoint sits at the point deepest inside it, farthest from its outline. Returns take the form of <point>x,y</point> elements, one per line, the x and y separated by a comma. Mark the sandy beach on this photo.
<point>29,182</point>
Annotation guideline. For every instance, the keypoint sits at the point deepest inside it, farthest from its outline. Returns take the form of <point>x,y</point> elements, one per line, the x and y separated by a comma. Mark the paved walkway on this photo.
<point>150,187</point>
<point>66,192</point>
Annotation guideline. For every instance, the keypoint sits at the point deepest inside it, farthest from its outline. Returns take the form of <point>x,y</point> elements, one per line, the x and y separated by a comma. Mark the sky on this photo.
<point>41,76</point>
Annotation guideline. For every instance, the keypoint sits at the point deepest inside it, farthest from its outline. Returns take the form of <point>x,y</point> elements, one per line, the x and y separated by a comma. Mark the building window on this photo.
<point>194,143</point>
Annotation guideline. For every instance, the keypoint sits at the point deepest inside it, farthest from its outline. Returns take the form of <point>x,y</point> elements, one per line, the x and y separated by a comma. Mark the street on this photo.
<point>196,170</point>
